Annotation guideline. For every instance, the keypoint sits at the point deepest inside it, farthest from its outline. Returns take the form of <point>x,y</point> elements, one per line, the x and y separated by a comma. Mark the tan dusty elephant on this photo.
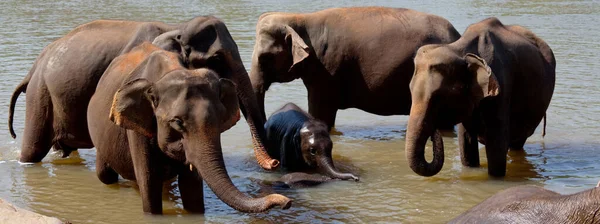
<point>533,204</point>
<point>496,81</point>
<point>167,121</point>
<point>65,75</point>
<point>347,57</point>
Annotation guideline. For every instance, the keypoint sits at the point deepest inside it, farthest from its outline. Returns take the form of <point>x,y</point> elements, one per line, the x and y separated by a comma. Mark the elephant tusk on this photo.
<point>191,167</point>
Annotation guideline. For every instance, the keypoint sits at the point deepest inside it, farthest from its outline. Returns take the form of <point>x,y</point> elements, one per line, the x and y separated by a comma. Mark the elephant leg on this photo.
<point>192,193</point>
<point>147,166</point>
<point>323,105</point>
<point>38,133</point>
<point>469,147</point>
<point>496,146</point>
<point>65,149</point>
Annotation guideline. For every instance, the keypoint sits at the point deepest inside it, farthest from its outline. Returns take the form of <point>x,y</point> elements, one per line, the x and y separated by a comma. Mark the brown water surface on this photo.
<point>371,146</point>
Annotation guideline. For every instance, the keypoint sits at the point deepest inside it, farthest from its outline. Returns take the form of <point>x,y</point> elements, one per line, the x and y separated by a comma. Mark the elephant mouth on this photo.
<point>175,151</point>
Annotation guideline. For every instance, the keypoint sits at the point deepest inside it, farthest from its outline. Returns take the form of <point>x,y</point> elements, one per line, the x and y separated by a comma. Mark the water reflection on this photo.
<point>371,146</point>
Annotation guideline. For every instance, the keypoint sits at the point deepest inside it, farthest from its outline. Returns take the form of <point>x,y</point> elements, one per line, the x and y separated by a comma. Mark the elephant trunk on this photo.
<point>420,128</point>
<point>325,163</point>
<point>255,119</point>
<point>260,87</point>
<point>208,158</point>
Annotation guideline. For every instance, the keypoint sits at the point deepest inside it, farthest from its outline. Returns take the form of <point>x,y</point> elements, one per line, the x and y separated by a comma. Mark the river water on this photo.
<point>566,160</point>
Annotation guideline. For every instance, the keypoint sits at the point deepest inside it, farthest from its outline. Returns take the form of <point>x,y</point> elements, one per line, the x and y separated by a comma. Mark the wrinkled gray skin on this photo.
<point>65,75</point>
<point>496,81</point>
<point>347,57</point>
<point>301,142</point>
<point>532,204</point>
<point>168,123</point>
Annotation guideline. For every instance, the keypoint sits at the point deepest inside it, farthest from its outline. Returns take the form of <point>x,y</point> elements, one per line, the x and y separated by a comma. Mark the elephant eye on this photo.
<point>176,124</point>
<point>216,57</point>
<point>313,151</point>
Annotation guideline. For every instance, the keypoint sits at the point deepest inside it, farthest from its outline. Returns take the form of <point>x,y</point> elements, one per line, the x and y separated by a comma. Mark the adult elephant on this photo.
<point>65,75</point>
<point>347,57</point>
<point>533,204</point>
<point>496,81</point>
<point>168,122</point>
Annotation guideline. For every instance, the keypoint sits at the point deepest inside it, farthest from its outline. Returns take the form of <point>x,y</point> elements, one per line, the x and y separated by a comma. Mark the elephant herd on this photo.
<point>153,98</point>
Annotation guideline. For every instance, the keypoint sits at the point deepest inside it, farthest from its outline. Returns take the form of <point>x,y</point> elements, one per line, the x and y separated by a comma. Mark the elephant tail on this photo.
<point>544,129</point>
<point>13,100</point>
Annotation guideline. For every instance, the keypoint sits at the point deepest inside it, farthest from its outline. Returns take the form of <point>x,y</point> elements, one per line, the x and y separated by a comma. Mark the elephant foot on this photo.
<point>66,150</point>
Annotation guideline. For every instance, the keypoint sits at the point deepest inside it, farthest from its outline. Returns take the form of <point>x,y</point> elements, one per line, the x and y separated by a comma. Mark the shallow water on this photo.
<point>371,146</point>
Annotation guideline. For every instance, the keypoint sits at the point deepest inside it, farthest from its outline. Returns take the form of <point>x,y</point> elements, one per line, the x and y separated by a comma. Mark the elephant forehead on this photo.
<point>435,55</point>
<point>188,77</point>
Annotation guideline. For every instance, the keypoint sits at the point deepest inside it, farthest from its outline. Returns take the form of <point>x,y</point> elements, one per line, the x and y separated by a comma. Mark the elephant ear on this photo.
<point>132,108</point>
<point>482,77</point>
<point>229,99</point>
<point>299,48</point>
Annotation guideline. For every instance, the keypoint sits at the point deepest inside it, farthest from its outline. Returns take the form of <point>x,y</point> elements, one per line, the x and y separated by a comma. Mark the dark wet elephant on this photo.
<point>532,204</point>
<point>347,57</point>
<point>301,142</point>
<point>65,75</point>
<point>496,80</point>
<point>168,122</point>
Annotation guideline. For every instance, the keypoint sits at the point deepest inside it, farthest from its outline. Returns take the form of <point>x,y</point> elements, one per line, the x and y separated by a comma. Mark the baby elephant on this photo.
<point>532,204</point>
<point>301,142</point>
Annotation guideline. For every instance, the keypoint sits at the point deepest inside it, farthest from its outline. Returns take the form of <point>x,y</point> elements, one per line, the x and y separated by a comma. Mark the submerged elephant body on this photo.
<point>65,75</point>
<point>532,204</point>
<point>300,180</point>
<point>301,142</point>
<point>164,121</point>
<point>347,57</point>
<point>496,81</point>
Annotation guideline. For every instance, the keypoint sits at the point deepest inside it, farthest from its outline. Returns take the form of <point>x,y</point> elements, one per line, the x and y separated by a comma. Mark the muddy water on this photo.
<point>371,146</point>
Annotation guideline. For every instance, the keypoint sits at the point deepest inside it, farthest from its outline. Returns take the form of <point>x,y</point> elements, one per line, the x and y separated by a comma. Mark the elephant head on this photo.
<point>316,147</point>
<point>205,42</point>
<point>445,88</point>
<point>277,51</point>
<point>186,111</point>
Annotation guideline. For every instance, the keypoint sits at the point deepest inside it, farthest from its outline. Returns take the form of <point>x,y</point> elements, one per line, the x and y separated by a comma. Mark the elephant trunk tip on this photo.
<point>350,176</point>
<point>269,164</point>
<point>264,160</point>
<point>420,166</point>
<point>279,200</point>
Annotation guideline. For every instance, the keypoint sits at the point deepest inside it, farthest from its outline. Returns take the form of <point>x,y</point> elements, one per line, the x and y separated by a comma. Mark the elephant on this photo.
<point>346,57</point>
<point>533,204</point>
<point>65,75</point>
<point>496,82</point>
<point>153,119</point>
<point>300,180</point>
<point>301,142</point>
